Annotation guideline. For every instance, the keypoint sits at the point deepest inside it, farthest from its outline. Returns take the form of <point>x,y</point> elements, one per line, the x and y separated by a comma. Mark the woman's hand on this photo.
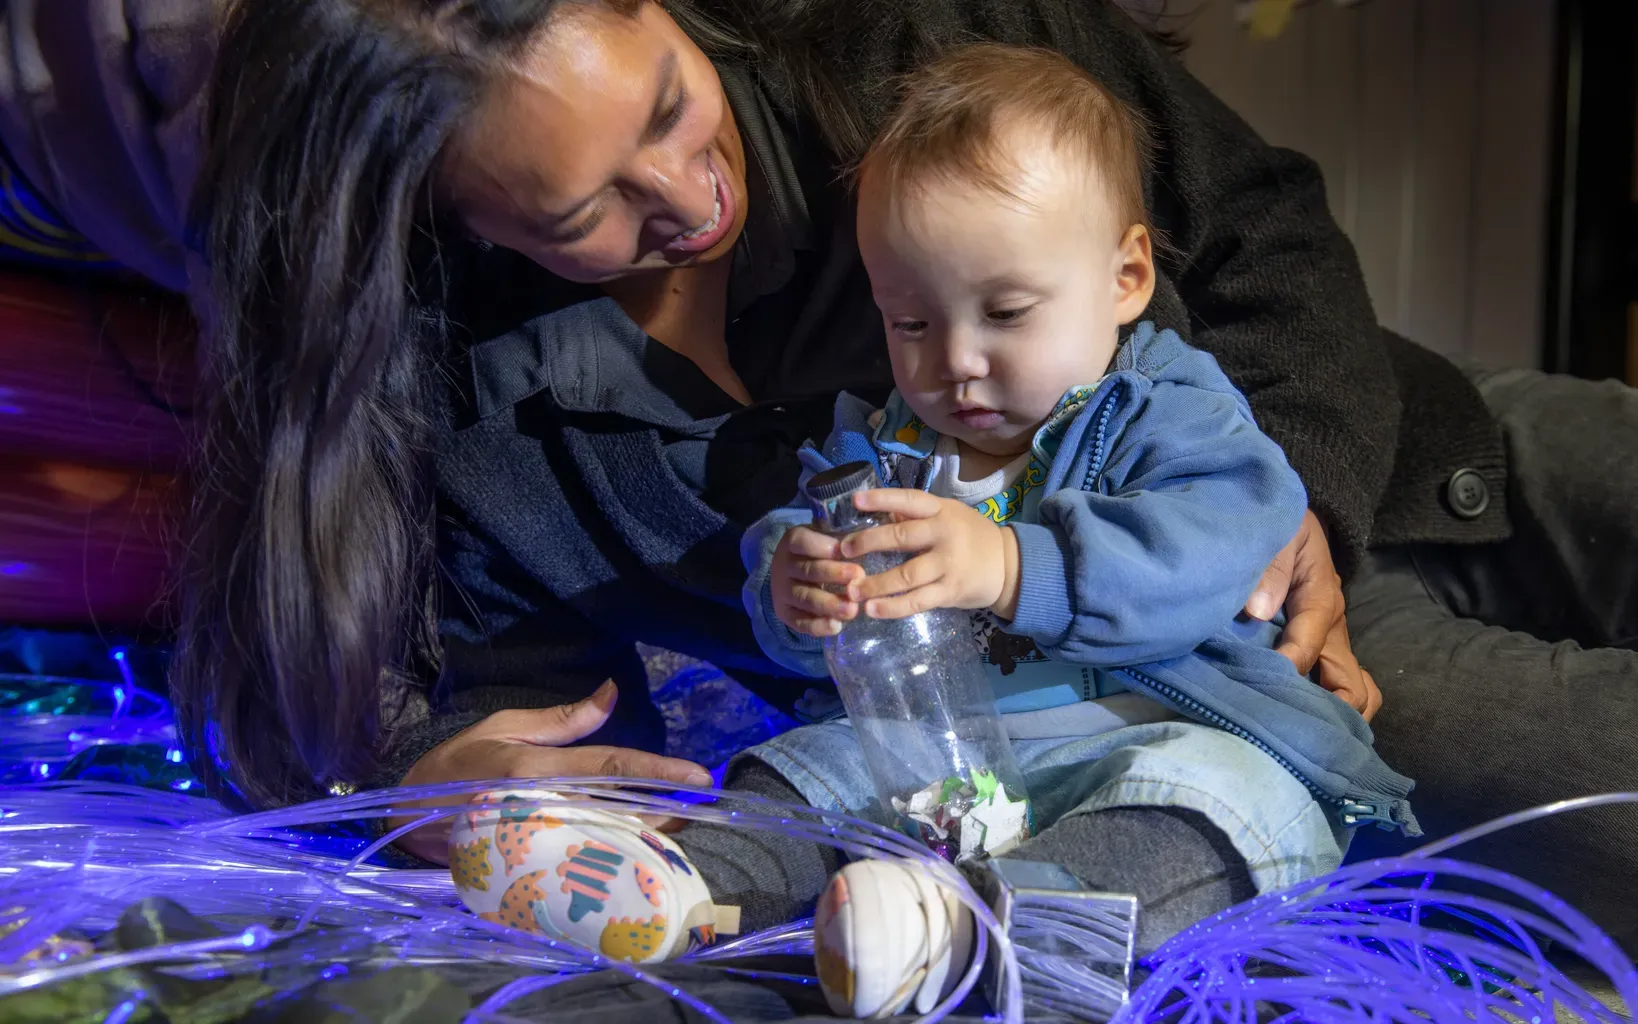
<point>531,744</point>
<point>1304,579</point>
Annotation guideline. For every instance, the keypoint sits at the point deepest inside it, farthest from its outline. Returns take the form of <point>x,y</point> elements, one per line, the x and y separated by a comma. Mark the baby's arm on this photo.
<point>758,550</point>
<point>1201,501</point>
<point>786,563</point>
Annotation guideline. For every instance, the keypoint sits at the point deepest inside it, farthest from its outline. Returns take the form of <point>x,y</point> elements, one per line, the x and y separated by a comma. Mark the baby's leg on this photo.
<point>1180,866</point>
<point>773,878</point>
<point>1190,820</point>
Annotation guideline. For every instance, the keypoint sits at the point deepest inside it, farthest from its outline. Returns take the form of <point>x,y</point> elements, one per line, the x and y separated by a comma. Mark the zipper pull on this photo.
<point>1356,813</point>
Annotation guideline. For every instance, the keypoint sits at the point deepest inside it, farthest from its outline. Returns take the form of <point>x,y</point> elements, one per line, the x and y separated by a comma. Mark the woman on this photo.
<point>664,302</point>
<point>397,195</point>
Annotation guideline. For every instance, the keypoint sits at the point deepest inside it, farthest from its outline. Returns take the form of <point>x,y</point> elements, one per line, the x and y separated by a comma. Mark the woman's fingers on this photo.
<point>1314,603</point>
<point>1266,600</point>
<point>1341,673</point>
<point>1312,608</point>
<point>552,727</point>
<point>604,762</point>
<point>610,762</point>
<point>1373,696</point>
<point>521,744</point>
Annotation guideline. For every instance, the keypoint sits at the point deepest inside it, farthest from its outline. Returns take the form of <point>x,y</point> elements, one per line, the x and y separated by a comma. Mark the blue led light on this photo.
<point>122,1012</point>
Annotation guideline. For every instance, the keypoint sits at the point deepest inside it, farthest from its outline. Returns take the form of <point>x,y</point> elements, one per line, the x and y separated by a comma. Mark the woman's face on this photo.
<point>608,151</point>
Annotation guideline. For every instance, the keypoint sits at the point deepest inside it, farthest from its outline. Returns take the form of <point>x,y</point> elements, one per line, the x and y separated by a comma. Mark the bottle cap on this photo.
<point>844,479</point>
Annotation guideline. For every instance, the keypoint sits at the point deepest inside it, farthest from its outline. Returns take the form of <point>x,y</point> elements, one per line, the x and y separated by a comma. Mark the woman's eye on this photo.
<point>1009,316</point>
<point>672,117</point>
<point>909,327</point>
<point>581,230</point>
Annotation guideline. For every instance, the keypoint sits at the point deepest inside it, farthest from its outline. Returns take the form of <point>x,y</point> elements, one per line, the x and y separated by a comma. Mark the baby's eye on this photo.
<point>1007,317</point>
<point>909,328</point>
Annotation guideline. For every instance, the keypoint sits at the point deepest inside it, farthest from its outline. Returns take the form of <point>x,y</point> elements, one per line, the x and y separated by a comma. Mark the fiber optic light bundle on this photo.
<point>238,912</point>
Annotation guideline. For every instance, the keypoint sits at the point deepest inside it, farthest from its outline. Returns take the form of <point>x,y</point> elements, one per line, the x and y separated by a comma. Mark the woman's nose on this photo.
<point>683,194</point>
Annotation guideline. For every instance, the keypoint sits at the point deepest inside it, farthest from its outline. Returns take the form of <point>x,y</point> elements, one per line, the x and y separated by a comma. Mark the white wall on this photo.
<point>1432,122</point>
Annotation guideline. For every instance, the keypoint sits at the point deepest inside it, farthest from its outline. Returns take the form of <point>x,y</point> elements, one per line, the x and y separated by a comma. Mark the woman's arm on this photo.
<point>523,678</point>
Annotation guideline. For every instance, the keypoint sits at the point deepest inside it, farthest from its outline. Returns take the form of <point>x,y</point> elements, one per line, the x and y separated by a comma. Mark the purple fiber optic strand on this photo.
<point>1360,945</point>
<point>257,853</point>
<point>1385,940</point>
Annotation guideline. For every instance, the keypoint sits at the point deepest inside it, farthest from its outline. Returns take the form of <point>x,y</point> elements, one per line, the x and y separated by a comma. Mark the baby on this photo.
<point>1103,503</point>
<point>1101,499</point>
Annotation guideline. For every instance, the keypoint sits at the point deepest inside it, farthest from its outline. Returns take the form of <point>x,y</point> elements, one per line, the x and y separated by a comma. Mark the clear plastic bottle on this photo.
<point>917,696</point>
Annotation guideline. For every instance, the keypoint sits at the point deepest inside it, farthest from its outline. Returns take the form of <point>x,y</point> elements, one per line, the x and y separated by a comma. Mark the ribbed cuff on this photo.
<point>1045,610</point>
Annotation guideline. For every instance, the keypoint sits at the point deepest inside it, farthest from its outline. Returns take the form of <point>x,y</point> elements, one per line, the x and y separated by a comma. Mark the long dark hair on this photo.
<point>306,593</point>
<point>310,543</point>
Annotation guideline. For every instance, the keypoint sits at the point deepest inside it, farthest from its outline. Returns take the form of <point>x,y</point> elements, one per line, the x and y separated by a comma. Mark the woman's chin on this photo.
<point>678,260</point>
<point>724,247</point>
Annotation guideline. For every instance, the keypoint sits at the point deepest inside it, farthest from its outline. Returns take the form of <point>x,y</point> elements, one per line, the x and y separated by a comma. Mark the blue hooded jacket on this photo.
<point>1162,507</point>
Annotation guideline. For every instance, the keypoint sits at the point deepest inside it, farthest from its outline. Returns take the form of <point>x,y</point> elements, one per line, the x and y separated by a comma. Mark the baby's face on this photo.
<point>995,307</point>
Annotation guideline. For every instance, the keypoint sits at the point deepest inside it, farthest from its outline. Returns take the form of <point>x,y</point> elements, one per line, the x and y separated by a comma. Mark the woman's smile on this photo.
<point>708,234</point>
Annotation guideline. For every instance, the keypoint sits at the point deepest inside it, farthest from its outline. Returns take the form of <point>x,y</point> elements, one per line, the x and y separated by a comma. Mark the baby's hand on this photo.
<point>964,560</point>
<point>805,562</point>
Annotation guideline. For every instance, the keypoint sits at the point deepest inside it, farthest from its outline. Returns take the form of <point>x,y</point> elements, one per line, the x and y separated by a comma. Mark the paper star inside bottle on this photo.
<point>985,783</point>
<point>1002,823</point>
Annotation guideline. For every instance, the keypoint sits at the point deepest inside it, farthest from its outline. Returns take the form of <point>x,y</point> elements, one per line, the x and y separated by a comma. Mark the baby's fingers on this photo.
<point>906,503</point>
<point>909,535</point>
<point>803,542</point>
<point>814,602</point>
<point>917,572</point>
<point>825,572</point>
<point>914,602</point>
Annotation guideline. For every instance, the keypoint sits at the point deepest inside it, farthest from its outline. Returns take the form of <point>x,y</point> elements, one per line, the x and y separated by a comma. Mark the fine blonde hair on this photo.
<point>950,118</point>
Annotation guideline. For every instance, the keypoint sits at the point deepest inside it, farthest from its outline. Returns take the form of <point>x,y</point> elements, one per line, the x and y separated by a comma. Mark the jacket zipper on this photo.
<point>1354,812</point>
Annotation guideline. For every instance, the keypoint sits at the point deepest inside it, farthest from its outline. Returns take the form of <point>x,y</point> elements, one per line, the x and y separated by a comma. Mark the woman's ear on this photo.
<point>1134,274</point>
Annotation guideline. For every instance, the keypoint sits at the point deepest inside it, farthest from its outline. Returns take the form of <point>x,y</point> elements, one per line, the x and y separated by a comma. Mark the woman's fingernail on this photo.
<point>1262,605</point>
<point>701,779</point>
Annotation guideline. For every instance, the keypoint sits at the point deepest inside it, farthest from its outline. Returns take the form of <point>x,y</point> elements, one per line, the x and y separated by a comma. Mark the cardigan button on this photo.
<point>1467,494</point>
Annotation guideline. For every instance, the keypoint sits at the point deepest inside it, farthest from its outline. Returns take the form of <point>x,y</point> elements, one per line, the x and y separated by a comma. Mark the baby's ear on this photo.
<point>1134,274</point>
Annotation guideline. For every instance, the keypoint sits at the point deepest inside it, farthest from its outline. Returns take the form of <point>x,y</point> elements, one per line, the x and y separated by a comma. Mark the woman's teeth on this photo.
<point>716,213</point>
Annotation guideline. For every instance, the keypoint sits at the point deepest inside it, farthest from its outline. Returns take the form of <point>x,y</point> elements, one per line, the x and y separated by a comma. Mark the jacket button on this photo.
<point>1467,494</point>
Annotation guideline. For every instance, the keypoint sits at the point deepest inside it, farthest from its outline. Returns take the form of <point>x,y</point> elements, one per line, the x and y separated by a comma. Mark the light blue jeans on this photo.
<point>1285,836</point>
